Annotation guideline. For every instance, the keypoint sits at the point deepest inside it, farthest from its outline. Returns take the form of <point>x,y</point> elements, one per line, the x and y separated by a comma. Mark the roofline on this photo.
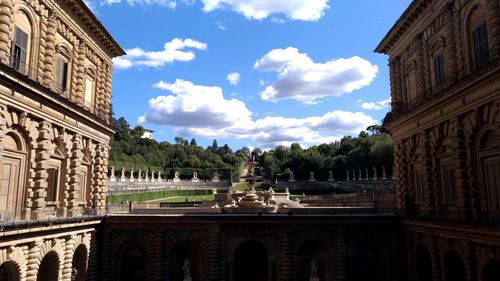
<point>117,49</point>
<point>401,25</point>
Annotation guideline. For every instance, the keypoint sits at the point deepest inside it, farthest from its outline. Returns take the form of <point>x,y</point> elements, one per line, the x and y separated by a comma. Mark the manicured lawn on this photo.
<point>190,198</point>
<point>147,196</point>
<point>244,185</point>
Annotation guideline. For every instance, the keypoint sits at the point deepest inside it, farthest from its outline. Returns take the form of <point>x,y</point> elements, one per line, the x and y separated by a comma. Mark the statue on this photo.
<point>74,273</point>
<point>366,173</point>
<point>131,174</point>
<point>360,176</point>
<point>384,177</point>
<point>215,177</point>
<point>214,190</point>
<point>291,178</point>
<point>374,173</point>
<point>314,271</point>
<point>122,175</point>
<point>176,177</point>
<point>347,173</point>
<point>311,176</point>
<point>353,175</point>
<point>112,176</point>
<point>139,176</point>
<point>146,178</point>
<point>159,176</point>
<point>186,268</point>
<point>330,176</point>
<point>195,177</point>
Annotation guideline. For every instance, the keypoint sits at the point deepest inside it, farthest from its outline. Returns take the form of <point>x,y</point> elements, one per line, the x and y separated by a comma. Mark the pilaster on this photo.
<point>494,27</point>
<point>78,74</point>
<point>6,25</point>
<point>451,50</point>
<point>48,62</point>
<point>74,179</point>
<point>420,65</point>
<point>40,175</point>
<point>34,259</point>
<point>69,250</point>
<point>340,257</point>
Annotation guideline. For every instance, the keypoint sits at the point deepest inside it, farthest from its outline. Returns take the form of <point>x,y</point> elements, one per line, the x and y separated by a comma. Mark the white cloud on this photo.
<point>167,3</point>
<point>375,105</point>
<point>233,78</point>
<point>221,26</point>
<point>302,79</point>
<point>174,50</point>
<point>306,10</point>
<point>203,111</point>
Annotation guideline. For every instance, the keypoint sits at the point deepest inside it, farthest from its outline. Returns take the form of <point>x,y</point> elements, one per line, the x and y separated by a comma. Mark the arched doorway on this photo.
<point>133,263</point>
<point>423,263</point>
<point>366,263</point>
<point>186,257</point>
<point>313,261</point>
<point>12,175</point>
<point>251,262</point>
<point>79,265</point>
<point>49,268</point>
<point>491,271</point>
<point>9,272</point>
<point>454,269</point>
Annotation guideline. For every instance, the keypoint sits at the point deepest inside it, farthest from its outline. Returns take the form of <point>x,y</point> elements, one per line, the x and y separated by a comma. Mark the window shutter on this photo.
<point>20,50</point>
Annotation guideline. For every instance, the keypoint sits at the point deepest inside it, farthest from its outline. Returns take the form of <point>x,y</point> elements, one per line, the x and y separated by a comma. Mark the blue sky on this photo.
<point>250,72</point>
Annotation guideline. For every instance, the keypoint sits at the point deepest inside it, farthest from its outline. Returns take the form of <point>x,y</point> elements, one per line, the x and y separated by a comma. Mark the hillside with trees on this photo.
<point>370,149</point>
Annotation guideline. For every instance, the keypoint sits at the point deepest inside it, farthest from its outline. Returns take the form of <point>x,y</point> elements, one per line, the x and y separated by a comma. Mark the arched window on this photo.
<point>63,68</point>
<point>313,261</point>
<point>133,263</point>
<point>13,175</point>
<point>454,269</point>
<point>478,37</point>
<point>49,268</point>
<point>9,272</point>
<point>423,263</point>
<point>79,264</point>
<point>21,43</point>
<point>488,162</point>
<point>187,257</point>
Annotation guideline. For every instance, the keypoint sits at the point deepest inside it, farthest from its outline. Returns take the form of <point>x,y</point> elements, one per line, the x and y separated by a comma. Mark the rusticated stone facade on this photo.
<point>251,247</point>
<point>444,60</point>
<point>55,92</point>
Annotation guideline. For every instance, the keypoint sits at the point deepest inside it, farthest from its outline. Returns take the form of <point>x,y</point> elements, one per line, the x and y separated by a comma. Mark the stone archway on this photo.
<point>366,264</point>
<point>454,269</point>
<point>491,271</point>
<point>9,272</point>
<point>251,262</point>
<point>187,256</point>
<point>423,263</point>
<point>313,259</point>
<point>79,264</point>
<point>133,263</point>
<point>49,268</point>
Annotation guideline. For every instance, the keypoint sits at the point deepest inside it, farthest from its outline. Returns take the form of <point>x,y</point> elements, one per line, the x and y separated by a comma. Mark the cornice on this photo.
<point>93,25</point>
<point>403,24</point>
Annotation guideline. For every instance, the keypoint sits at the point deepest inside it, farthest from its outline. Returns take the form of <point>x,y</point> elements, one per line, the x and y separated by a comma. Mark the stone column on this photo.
<point>465,194</point>
<point>101,160</point>
<point>78,86</point>
<point>101,91</point>
<point>122,174</point>
<point>340,257</point>
<point>494,25</point>
<point>284,264</point>
<point>420,66</point>
<point>50,49</point>
<point>451,49</point>
<point>40,176</point>
<point>430,198</point>
<point>69,249</point>
<point>34,257</point>
<point>107,93</point>
<point>6,27</point>
<point>74,178</point>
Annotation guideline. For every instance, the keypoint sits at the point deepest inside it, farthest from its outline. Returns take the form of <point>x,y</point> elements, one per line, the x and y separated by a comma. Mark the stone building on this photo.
<point>444,59</point>
<point>55,94</point>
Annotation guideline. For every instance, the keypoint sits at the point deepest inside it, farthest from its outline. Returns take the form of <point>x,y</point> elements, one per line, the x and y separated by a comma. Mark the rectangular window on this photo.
<point>19,50</point>
<point>449,184</point>
<point>439,69</point>
<point>412,86</point>
<point>52,184</point>
<point>83,185</point>
<point>89,91</point>
<point>480,46</point>
<point>62,74</point>
<point>419,186</point>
